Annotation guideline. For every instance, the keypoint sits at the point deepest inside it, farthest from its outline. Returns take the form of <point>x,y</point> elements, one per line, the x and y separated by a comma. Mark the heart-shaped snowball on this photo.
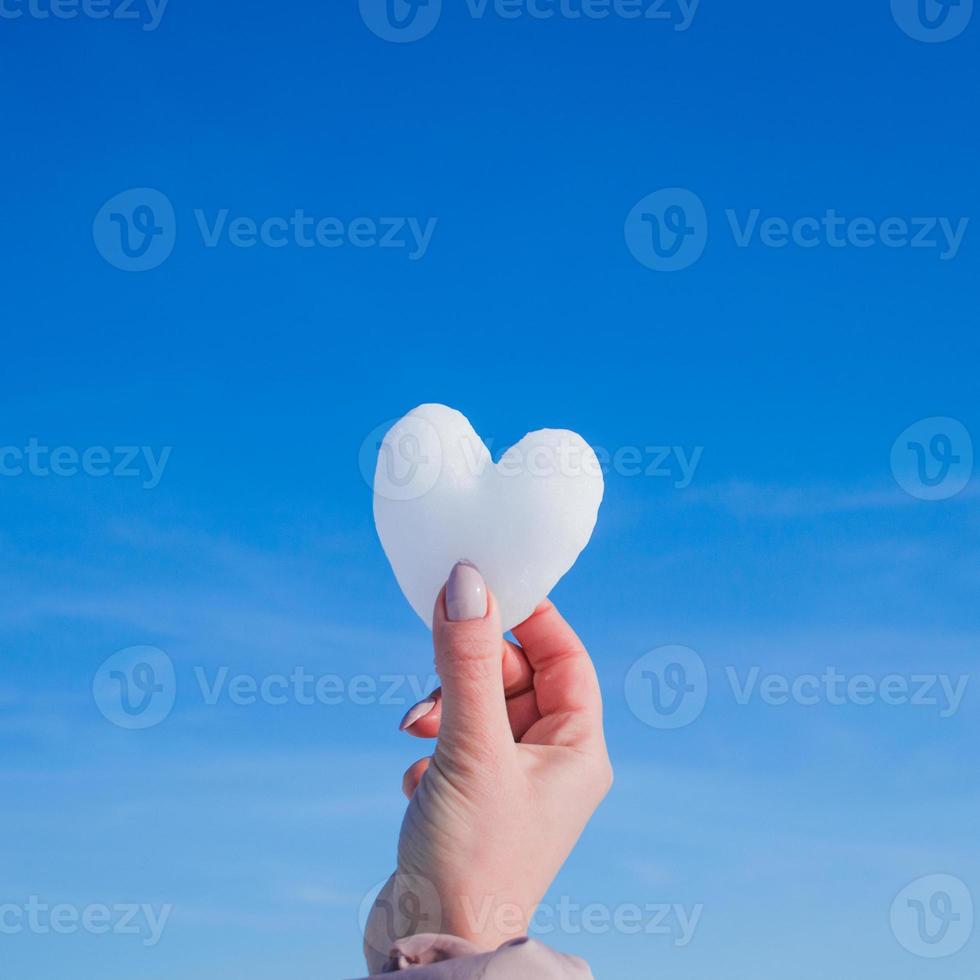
<point>440,498</point>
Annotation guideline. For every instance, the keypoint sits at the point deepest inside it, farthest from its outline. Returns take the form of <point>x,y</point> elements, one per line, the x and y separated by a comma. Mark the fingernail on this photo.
<point>417,711</point>
<point>466,593</point>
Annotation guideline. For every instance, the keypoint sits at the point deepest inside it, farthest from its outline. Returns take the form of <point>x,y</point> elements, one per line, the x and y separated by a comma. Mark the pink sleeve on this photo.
<point>431,957</point>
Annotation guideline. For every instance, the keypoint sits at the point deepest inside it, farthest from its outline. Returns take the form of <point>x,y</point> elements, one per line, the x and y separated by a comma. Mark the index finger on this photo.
<point>565,680</point>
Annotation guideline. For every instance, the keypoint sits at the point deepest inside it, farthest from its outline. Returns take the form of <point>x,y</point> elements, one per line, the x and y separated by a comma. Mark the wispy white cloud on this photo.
<point>202,591</point>
<point>779,501</point>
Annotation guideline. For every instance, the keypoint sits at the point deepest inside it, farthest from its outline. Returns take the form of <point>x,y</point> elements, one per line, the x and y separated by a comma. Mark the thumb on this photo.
<point>469,657</point>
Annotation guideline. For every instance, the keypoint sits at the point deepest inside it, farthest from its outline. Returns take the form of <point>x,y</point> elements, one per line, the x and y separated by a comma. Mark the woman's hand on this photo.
<point>519,768</point>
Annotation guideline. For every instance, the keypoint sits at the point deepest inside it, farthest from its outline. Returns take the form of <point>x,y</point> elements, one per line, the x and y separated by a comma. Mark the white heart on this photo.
<point>439,498</point>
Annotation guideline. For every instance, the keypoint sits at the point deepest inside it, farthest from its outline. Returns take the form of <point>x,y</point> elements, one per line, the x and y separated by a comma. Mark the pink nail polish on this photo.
<point>417,711</point>
<point>466,593</point>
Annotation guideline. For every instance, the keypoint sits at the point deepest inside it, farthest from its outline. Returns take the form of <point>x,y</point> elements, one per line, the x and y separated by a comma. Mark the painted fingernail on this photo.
<point>466,593</point>
<point>417,711</point>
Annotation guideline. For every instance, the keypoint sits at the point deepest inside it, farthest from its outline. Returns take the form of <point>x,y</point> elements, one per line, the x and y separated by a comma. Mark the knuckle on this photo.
<point>604,776</point>
<point>469,653</point>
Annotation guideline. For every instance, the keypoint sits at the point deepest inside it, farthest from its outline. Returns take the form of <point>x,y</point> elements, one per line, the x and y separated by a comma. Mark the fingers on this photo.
<point>413,776</point>
<point>565,681</point>
<point>423,719</point>
<point>518,675</point>
<point>522,713</point>
<point>483,705</point>
<point>469,651</point>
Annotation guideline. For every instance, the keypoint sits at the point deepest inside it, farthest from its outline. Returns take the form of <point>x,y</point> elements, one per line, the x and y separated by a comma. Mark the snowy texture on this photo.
<point>523,521</point>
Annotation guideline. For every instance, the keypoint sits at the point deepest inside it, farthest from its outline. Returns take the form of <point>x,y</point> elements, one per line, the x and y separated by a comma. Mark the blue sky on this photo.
<point>789,372</point>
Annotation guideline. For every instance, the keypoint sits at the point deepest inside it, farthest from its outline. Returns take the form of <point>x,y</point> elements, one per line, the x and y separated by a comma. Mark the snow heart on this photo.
<point>523,521</point>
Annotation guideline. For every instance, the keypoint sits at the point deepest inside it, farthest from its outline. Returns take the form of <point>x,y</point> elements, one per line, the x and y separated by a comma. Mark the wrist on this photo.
<point>410,905</point>
<point>485,920</point>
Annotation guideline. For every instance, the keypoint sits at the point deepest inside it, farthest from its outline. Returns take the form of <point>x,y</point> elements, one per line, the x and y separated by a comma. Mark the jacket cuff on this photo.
<point>436,957</point>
